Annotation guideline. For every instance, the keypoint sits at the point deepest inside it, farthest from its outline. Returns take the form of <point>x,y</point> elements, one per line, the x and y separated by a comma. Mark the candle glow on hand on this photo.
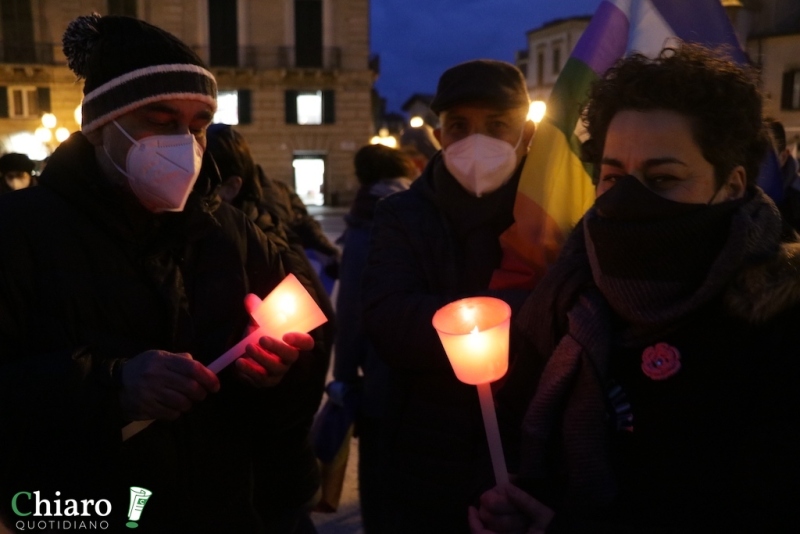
<point>288,308</point>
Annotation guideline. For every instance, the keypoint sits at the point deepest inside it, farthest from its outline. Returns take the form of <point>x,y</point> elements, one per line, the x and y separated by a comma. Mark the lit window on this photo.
<point>309,179</point>
<point>234,107</point>
<point>23,102</point>
<point>227,107</point>
<point>309,108</point>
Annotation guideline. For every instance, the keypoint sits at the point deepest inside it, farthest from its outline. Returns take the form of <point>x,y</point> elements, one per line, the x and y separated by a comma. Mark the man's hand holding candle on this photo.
<point>265,363</point>
<point>161,385</point>
<point>156,387</point>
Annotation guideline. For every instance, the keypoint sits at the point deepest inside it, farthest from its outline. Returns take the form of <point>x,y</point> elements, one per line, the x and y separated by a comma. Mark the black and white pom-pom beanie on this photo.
<point>128,63</point>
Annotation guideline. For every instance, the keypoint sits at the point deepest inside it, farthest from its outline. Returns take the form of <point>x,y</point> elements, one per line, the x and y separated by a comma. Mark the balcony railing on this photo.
<point>36,53</point>
<point>254,57</point>
<point>326,58</point>
<point>265,57</point>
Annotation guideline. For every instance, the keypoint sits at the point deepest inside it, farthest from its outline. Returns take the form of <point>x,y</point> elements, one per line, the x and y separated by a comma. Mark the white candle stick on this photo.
<point>493,434</point>
<point>233,353</point>
<point>215,367</point>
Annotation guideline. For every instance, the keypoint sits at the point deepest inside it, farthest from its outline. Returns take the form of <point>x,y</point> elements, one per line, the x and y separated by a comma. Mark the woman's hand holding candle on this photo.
<point>265,363</point>
<point>161,385</point>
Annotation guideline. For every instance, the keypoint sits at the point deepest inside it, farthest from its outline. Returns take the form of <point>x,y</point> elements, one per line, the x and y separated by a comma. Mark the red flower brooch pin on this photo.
<point>661,361</point>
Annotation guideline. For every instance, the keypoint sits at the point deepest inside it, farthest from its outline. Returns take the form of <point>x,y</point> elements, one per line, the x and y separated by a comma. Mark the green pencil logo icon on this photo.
<point>139,498</point>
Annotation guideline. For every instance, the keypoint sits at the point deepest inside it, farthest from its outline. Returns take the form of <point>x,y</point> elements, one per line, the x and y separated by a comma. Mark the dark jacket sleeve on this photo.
<point>60,405</point>
<point>351,342</point>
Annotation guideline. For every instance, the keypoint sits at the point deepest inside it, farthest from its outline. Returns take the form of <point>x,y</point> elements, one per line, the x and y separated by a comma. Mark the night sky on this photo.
<point>418,39</point>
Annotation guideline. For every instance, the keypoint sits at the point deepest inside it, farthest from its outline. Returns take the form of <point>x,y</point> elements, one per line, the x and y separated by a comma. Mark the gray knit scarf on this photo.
<point>568,316</point>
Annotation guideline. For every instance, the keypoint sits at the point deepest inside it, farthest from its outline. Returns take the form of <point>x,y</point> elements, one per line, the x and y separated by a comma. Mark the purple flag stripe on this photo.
<point>701,21</point>
<point>604,40</point>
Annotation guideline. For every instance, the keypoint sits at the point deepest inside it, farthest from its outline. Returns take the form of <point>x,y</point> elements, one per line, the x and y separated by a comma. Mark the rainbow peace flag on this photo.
<point>555,188</point>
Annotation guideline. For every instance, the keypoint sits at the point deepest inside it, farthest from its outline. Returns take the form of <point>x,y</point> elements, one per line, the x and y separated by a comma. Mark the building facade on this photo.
<point>772,28</point>
<point>549,46</point>
<point>294,77</point>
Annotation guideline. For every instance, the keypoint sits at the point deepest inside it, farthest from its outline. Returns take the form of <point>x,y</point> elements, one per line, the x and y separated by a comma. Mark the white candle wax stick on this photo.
<point>234,352</point>
<point>493,434</point>
<point>131,429</point>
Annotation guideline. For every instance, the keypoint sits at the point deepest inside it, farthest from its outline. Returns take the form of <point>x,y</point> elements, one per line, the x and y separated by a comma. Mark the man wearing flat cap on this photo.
<point>123,276</point>
<point>16,171</point>
<point>431,245</point>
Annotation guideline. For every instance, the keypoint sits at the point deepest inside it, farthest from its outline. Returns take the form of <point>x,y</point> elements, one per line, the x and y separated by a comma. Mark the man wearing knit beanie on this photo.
<point>122,277</point>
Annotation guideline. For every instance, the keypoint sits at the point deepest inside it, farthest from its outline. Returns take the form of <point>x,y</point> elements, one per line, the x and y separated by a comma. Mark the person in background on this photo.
<point>122,277</point>
<point>419,144</point>
<point>300,226</point>
<point>430,245</point>
<point>381,171</point>
<point>790,206</point>
<point>663,356</point>
<point>16,171</point>
<point>286,475</point>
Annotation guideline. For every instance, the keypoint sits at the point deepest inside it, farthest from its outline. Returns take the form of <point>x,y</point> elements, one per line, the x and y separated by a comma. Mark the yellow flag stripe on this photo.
<point>555,178</point>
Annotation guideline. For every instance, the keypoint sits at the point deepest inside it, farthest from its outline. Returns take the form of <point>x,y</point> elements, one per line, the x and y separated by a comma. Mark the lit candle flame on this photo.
<point>288,305</point>
<point>468,314</point>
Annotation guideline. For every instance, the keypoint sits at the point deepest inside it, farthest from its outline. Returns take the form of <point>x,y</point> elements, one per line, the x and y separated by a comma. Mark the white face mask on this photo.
<point>480,163</point>
<point>162,169</point>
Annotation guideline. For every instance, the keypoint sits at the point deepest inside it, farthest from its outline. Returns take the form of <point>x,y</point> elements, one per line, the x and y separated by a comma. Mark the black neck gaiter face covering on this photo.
<point>640,235</point>
<point>650,254</point>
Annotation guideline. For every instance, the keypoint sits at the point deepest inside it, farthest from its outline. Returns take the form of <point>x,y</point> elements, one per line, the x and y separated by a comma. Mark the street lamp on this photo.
<point>49,120</point>
<point>383,138</point>
<point>48,130</point>
<point>536,111</point>
<point>416,122</point>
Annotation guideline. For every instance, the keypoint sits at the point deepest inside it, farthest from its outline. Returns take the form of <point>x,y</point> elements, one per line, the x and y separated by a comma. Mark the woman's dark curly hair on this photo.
<point>233,158</point>
<point>721,99</point>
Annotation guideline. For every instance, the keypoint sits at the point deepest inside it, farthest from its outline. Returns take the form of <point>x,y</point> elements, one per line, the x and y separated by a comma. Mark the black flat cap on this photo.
<point>482,81</point>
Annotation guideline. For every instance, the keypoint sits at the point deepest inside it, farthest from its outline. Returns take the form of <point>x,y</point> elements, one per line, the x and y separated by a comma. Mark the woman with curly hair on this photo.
<point>663,344</point>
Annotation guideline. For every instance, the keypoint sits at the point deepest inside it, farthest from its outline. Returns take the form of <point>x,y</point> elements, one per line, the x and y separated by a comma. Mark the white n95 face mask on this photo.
<point>162,169</point>
<point>480,163</point>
